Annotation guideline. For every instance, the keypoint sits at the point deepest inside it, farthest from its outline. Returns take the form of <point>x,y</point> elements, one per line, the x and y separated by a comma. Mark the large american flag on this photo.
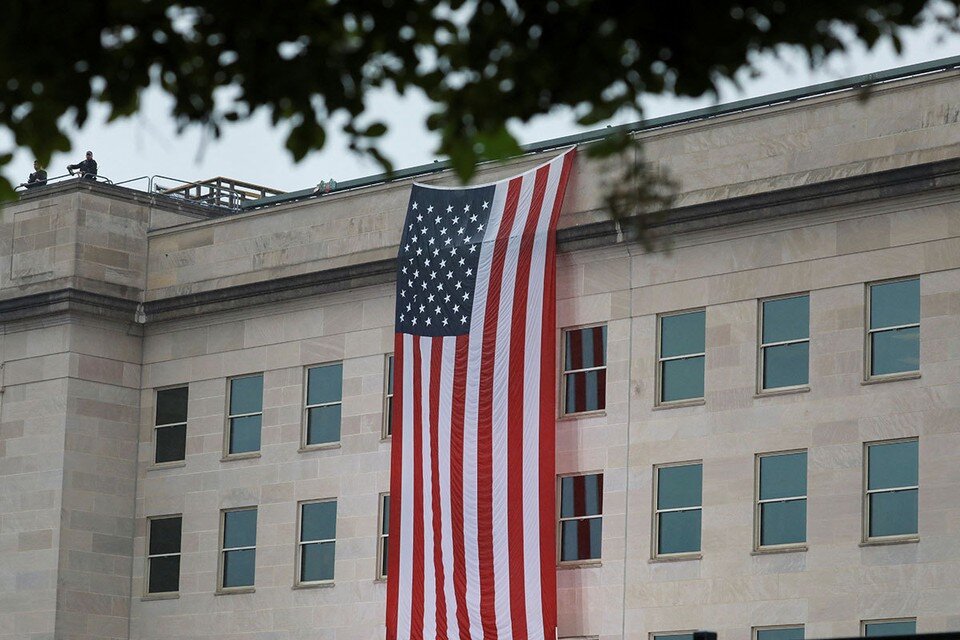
<point>472,511</point>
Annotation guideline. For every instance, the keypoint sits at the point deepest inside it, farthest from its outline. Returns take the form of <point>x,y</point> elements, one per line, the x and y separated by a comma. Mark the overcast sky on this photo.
<point>253,151</point>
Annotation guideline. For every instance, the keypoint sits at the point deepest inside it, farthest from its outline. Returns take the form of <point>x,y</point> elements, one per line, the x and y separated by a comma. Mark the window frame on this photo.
<point>386,428</point>
<point>160,595</point>
<point>156,427</point>
<point>220,556</point>
<point>655,528</point>
<point>298,560</point>
<point>755,631</point>
<point>868,333</point>
<point>658,374</point>
<point>228,427</point>
<point>757,510</point>
<point>383,539</point>
<point>305,412</point>
<point>864,623</point>
<point>562,394</point>
<point>762,347</point>
<point>560,520</point>
<point>660,634</point>
<point>866,538</point>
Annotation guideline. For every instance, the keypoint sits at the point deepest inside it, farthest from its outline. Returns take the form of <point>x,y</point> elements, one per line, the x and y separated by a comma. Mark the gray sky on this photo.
<point>253,151</point>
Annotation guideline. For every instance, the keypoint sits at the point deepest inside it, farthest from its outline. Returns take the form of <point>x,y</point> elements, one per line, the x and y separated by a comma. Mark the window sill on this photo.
<point>327,446</point>
<point>882,542</point>
<point>173,464</point>
<point>679,557</point>
<point>250,455</point>
<point>327,584</point>
<point>160,596</point>
<point>676,404</point>
<point>234,591</point>
<point>386,439</point>
<point>892,377</point>
<point>579,564</point>
<point>381,580</point>
<point>768,551</point>
<point>571,417</point>
<point>783,391</point>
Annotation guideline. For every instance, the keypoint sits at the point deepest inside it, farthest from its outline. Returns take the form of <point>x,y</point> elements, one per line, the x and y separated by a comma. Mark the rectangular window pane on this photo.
<point>783,522</point>
<point>171,406</point>
<point>164,574</point>
<point>786,319</point>
<point>679,532</point>
<point>246,395</point>
<point>318,521</point>
<point>786,365</point>
<point>892,465</point>
<point>581,496</point>
<point>895,351</point>
<point>786,633</point>
<point>390,375</point>
<point>580,539</point>
<point>171,444</point>
<point>893,513</point>
<point>165,535</point>
<point>240,528</point>
<point>245,434</point>
<point>682,379</point>
<point>323,424</point>
<point>682,334</point>
<point>783,476</point>
<point>317,561</point>
<point>679,486</point>
<point>894,303</point>
<point>385,519</point>
<point>673,636</point>
<point>238,568</point>
<point>585,391</point>
<point>586,348</point>
<point>325,384</point>
<point>882,629</point>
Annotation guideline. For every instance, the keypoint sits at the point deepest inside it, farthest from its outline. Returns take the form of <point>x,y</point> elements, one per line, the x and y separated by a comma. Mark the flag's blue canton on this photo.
<point>438,258</point>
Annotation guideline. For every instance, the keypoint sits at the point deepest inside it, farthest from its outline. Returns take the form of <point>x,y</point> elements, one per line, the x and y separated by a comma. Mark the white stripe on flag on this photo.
<point>446,511</point>
<point>429,577</point>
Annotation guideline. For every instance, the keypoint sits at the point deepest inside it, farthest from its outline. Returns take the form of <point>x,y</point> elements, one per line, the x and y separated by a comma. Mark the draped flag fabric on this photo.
<point>472,510</point>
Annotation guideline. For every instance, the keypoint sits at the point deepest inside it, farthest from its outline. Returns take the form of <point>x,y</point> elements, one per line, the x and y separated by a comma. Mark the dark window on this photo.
<point>785,342</point>
<point>894,333</point>
<point>324,396</point>
<point>581,517</point>
<point>239,548</point>
<point>383,537</point>
<point>388,399</point>
<point>681,357</point>
<point>585,369</point>
<point>679,504</point>
<point>170,425</point>
<point>782,499</point>
<point>163,555</point>
<point>780,633</point>
<point>318,539</point>
<point>246,413</point>
<point>892,488</point>
<point>881,628</point>
<point>673,636</point>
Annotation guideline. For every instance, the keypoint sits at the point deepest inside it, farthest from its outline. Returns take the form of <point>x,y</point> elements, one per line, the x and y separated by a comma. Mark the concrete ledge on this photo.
<point>67,301</point>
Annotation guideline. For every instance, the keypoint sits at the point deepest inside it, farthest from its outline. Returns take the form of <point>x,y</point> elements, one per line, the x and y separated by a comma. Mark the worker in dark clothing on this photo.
<point>38,178</point>
<point>87,168</point>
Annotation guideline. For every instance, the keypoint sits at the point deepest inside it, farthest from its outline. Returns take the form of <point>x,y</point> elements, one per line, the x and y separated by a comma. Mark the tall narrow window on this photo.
<point>778,633</point>
<point>383,537</point>
<point>163,554</point>
<point>581,517</point>
<point>882,628</point>
<point>584,369</point>
<point>238,548</point>
<point>681,356</point>
<point>388,398</point>
<point>893,337</point>
<point>171,426</point>
<point>781,513</point>
<point>679,502</point>
<point>784,342</point>
<point>317,543</point>
<point>246,412</point>
<point>892,485</point>
<point>324,398</point>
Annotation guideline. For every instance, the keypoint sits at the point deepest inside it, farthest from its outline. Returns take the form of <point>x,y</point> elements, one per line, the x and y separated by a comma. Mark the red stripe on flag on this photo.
<point>396,462</point>
<point>416,606</point>
<point>456,482</point>
<point>436,354</point>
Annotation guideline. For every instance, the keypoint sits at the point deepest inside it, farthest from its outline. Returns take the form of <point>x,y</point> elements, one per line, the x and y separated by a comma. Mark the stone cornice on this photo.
<point>154,201</point>
<point>67,301</point>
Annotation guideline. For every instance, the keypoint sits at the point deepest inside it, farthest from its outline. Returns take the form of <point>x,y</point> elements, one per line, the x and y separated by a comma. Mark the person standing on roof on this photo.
<point>38,178</point>
<point>87,168</point>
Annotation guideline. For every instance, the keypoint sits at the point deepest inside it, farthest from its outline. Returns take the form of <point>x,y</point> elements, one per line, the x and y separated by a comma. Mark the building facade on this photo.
<point>758,433</point>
